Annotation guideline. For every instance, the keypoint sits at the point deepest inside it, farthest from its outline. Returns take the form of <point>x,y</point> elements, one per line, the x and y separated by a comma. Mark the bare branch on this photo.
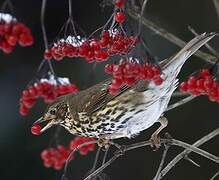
<point>158,174</point>
<point>189,148</point>
<point>185,152</point>
<point>191,161</point>
<point>180,94</point>
<point>215,176</point>
<point>180,102</point>
<point>101,168</point>
<point>172,38</point>
<point>216,4</point>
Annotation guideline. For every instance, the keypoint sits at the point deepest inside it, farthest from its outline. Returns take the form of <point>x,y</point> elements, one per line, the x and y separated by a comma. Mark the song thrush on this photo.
<point>95,112</point>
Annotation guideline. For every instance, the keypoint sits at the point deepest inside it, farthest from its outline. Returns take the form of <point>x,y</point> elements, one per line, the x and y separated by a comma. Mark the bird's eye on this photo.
<point>53,112</point>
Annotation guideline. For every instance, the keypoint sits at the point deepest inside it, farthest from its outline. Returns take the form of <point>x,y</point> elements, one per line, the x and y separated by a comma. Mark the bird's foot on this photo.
<point>103,142</point>
<point>154,137</point>
<point>155,142</point>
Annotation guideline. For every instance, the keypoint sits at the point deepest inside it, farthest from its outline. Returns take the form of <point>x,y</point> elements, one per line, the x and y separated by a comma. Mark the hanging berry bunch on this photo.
<point>49,89</point>
<point>113,41</point>
<point>128,72</point>
<point>58,156</point>
<point>13,32</point>
<point>205,84</point>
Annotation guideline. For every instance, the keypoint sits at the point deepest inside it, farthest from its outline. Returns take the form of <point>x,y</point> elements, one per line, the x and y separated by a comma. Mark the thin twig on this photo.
<point>95,160</point>
<point>69,157</point>
<point>172,38</point>
<point>180,102</point>
<point>101,168</point>
<point>9,4</point>
<point>43,7</point>
<point>186,152</point>
<point>215,176</point>
<point>158,174</point>
<point>216,5</point>
<point>180,94</point>
<point>70,9</point>
<point>105,155</point>
<point>211,49</point>
<point>191,161</point>
<point>141,17</point>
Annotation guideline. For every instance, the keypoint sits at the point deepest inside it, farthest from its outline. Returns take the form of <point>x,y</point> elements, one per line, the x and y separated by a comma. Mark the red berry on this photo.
<point>16,30</point>
<point>120,3</point>
<point>47,54</point>
<point>7,28</point>
<point>45,154</point>
<point>120,17</point>
<point>113,90</point>
<point>109,69</point>
<point>29,102</point>
<point>12,40</point>
<point>36,129</point>
<point>29,40</point>
<point>104,55</point>
<point>204,73</point>
<point>158,80</point>
<point>48,163</point>
<point>130,81</point>
<point>208,83</point>
<point>105,35</point>
<point>200,85</point>
<point>192,82</point>
<point>24,110</point>
<point>58,165</point>
<point>156,70</point>
<point>183,87</point>
<point>116,83</point>
<point>83,150</point>
<point>73,144</point>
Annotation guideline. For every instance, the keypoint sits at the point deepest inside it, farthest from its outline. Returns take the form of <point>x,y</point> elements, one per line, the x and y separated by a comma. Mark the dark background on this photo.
<point>20,150</point>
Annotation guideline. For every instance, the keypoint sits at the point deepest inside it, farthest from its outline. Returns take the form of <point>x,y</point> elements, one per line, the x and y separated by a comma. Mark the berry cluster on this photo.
<point>48,89</point>
<point>81,140</point>
<point>205,85</point>
<point>11,32</point>
<point>129,72</point>
<point>55,157</point>
<point>111,43</point>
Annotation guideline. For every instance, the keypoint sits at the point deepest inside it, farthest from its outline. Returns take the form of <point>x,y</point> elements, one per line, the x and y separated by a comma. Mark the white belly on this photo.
<point>135,121</point>
<point>144,119</point>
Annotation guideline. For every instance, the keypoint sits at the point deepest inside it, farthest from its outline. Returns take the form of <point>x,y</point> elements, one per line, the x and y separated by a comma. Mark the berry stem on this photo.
<point>5,4</point>
<point>43,7</point>
<point>76,149</point>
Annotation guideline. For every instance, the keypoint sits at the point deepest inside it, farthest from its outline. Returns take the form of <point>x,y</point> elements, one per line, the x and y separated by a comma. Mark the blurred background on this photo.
<point>20,150</point>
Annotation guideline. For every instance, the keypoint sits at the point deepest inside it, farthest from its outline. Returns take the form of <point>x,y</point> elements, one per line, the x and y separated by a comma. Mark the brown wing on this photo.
<point>93,98</point>
<point>101,97</point>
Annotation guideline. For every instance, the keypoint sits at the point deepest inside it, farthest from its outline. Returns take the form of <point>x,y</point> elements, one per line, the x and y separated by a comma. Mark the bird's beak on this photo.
<point>47,126</point>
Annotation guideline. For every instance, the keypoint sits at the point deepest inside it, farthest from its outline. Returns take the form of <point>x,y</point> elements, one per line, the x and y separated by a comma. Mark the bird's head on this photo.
<point>54,114</point>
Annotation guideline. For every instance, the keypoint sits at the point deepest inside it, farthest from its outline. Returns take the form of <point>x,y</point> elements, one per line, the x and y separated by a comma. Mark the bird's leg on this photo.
<point>155,140</point>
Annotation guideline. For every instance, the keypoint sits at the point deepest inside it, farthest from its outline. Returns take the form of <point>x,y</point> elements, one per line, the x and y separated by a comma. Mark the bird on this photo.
<point>94,112</point>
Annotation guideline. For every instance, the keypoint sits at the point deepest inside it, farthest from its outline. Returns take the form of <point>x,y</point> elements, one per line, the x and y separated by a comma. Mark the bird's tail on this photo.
<point>176,62</point>
<point>172,66</point>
